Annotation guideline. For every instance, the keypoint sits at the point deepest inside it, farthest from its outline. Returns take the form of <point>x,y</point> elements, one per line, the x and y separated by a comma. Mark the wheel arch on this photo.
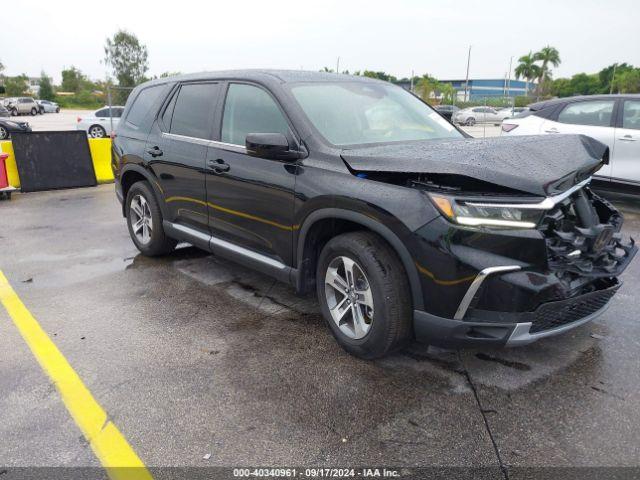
<point>133,173</point>
<point>313,235</point>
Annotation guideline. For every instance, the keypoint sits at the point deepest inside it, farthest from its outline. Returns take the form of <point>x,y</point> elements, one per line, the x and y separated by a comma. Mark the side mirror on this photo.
<point>273,146</point>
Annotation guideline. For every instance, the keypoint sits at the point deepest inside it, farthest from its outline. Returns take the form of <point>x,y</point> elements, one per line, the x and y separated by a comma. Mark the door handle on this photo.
<point>218,165</point>
<point>551,130</point>
<point>627,138</point>
<point>154,152</point>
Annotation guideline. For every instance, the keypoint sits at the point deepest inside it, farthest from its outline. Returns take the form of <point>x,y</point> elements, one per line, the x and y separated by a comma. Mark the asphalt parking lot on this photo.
<point>194,357</point>
<point>67,120</point>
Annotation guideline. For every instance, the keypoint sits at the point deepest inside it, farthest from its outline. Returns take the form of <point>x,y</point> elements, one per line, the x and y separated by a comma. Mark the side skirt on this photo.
<point>233,252</point>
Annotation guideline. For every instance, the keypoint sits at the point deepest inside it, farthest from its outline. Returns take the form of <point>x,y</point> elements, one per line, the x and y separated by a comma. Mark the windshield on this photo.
<point>355,113</point>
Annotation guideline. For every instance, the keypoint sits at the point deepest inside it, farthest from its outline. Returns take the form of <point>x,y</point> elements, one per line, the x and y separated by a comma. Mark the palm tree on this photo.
<point>548,55</point>
<point>527,69</point>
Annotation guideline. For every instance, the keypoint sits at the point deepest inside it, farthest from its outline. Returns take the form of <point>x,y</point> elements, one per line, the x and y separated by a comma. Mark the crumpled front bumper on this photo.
<point>515,328</point>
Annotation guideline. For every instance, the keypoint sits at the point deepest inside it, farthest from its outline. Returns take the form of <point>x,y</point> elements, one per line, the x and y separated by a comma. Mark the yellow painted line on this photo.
<point>112,449</point>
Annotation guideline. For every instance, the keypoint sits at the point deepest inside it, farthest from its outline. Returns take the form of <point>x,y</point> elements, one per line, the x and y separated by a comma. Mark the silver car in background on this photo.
<point>99,124</point>
<point>23,106</point>
<point>472,115</point>
<point>47,106</point>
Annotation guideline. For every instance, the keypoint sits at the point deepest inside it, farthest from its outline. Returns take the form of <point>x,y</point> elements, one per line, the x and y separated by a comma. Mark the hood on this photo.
<point>540,165</point>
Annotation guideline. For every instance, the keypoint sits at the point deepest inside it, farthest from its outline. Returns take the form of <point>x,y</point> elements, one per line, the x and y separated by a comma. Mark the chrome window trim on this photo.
<point>205,142</point>
<point>475,286</point>
<point>547,204</point>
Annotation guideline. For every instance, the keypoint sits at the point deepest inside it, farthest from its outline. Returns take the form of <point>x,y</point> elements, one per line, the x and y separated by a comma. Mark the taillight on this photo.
<point>507,127</point>
<point>79,119</point>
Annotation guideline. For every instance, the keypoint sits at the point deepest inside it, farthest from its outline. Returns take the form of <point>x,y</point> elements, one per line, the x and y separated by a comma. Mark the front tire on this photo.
<point>363,293</point>
<point>14,112</point>
<point>4,133</point>
<point>144,220</point>
<point>34,112</point>
<point>470,122</point>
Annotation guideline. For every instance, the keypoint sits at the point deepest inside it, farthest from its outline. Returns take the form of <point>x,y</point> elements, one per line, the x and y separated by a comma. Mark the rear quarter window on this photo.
<point>143,105</point>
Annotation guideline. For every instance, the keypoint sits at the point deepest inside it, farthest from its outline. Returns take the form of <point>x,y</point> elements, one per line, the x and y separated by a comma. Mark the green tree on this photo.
<point>548,56</point>
<point>527,69</point>
<point>16,86</point>
<point>627,82</point>
<point>426,86</point>
<point>46,89</point>
<point>584,84</point>
<point>380,76</point>
<point>72,80</point>
<point>128,59</point>
<point>606,75</point>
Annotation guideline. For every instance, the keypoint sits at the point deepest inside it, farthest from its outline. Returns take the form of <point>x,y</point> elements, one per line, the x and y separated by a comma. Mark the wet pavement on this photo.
<point>192,355</point>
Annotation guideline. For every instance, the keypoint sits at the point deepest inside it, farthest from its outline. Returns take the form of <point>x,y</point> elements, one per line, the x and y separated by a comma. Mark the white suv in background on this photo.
<point>612,119</point>
<point>98,124</point>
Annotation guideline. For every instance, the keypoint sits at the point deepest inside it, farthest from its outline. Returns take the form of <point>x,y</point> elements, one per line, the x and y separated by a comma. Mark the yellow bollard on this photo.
<point>12,170</point>
<point>101,157</point>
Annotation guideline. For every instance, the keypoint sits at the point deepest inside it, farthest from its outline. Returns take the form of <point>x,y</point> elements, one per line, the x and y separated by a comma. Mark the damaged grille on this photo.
<point>556,314</point>
<point>583,238</point>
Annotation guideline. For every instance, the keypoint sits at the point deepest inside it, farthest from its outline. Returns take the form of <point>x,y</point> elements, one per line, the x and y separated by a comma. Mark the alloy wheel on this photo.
<point>96,132</point>
<point>3,133</point>
<point>349,297</point>
<point>141,220</point>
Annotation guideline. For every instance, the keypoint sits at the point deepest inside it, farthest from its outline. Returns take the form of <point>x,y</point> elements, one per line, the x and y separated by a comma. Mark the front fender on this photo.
<point>371,222</point>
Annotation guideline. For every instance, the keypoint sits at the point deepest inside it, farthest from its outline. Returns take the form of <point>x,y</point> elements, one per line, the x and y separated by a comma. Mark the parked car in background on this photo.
<point>447,111</point>
<point>7,127</point>
<point>3,111</point>
<point>98,124</point>
<point>356,189</point>
<point>511,112</point>
<point>612,119</point>
<point>472,115</point>
<point>47,106</point>
<point>23,106</point>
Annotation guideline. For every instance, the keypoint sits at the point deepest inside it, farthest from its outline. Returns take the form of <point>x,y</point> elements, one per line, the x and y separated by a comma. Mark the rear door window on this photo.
<point>593,112</point>
<point>102,113</point>
<point>194,110</point>
<point>631,114</point>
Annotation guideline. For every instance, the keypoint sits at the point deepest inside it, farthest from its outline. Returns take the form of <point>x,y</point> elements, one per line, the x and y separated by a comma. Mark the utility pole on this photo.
<point>411,87</point>
<point>509,77</point>
<point>466,83</point>
<point>613,76</point>
<point>338,65</point>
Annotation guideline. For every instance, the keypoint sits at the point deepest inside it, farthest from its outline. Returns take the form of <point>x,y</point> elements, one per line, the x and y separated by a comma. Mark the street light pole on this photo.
<point>338,65</point>
<point>509,77</point>
<point>613,76</point>
<point>466,83</point>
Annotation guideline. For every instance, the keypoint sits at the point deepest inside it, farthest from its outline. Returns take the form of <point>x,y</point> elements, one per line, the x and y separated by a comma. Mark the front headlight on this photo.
<point>476,213</point>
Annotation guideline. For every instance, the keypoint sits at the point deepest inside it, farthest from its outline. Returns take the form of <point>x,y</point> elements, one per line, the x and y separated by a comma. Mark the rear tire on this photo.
<point>144,220</point>
<point>96,131</point>
<point>4,134</point>
<point>380,322</point>
<point>34,112</point>
<point>470,121</point>
<point>14,112</point>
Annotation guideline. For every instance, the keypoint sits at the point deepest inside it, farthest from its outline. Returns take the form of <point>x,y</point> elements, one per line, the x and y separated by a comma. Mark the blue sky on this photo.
<point>398,36</point>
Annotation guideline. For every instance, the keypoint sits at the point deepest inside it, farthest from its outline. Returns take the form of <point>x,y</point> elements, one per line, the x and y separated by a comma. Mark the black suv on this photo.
<point>404,226</point>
